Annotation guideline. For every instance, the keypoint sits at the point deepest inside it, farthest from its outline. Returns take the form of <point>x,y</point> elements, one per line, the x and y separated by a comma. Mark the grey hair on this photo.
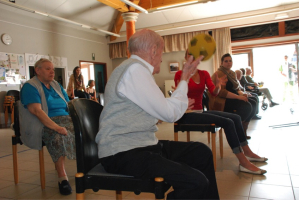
<point>40,62</point>
<point>142,41</point>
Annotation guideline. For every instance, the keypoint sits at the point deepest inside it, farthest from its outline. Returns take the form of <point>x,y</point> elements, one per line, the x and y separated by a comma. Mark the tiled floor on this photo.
<point>280,145</point>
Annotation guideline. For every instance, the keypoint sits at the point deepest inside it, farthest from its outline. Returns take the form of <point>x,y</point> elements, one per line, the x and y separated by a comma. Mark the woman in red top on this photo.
<point>231,123</point>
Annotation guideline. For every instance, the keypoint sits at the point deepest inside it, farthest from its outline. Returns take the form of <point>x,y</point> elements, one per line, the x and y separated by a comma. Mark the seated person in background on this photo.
<point>263,90</point>
<point>246,85</point>
<point>230,98</point>
<point>133,104</point>
<point>76,87</point>
<point>44,106</point>
<point>91,91</point>
<point>249,91</point>
<point>231,123</point>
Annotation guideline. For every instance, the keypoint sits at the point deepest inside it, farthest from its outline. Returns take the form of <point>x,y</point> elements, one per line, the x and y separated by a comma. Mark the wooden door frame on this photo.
<point>100,63</point>
<point>250,57</point>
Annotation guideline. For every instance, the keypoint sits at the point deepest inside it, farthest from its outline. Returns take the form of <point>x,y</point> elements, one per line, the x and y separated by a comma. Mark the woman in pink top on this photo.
<point>231,123</point>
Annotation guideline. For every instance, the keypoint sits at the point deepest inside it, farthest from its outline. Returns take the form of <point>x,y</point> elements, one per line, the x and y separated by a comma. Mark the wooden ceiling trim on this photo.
<point>118,5</point>
<point>154,4</point>
<point>117,25</point>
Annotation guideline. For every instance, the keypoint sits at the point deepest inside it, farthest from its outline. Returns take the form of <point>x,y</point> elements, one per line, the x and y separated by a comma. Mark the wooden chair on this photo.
<point>210,128</point>
<point>17,140</point>
<point>90,173</point>
<point>11,97</point>
<point>8,106</point>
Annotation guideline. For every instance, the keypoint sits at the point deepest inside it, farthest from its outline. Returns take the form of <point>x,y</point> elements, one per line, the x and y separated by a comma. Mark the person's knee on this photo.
<point>200,181</point>
<point>201,148</point>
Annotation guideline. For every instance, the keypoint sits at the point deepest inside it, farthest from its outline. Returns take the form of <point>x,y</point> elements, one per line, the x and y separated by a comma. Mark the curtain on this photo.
<point>118,50</point>
<point>177,42</point>
<point>223,45</point>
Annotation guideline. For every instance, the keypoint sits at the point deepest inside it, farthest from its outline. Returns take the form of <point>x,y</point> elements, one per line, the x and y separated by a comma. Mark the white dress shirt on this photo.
<point>138,85</point>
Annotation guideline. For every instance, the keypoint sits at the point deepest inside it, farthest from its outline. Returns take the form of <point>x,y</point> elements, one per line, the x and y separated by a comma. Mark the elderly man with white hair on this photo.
<point>133,104</point>
<point>263,90</point>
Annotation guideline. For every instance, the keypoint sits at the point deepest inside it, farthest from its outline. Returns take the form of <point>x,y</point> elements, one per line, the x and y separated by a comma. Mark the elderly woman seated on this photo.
<point>263,90</point>
<point>44,106</point>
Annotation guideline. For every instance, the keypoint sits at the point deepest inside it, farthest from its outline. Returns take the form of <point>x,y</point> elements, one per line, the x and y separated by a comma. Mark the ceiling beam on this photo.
<point>132,9</point>
<point>118,5</point>
<point>154,4</point>
<point>117,25</point>
<point>119,20</point>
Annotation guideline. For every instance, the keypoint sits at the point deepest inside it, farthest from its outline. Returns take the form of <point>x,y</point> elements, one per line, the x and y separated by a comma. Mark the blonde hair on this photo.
<point>40,62</point>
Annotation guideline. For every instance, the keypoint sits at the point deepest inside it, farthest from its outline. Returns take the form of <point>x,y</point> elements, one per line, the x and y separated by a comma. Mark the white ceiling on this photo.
<point>96,14</point>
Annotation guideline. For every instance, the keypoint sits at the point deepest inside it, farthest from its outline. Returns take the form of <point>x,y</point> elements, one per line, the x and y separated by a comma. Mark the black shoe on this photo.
<point>65,188</point>
<point>257,117</point>
<point>273,104</point>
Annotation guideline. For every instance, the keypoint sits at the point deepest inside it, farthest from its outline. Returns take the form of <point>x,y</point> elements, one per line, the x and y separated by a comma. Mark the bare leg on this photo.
<point>246,163</point>
<point>248,152</point>
<point>59,165</point>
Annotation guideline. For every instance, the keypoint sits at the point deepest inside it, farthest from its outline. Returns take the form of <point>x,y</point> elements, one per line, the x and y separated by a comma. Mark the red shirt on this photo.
<point>195,91</point>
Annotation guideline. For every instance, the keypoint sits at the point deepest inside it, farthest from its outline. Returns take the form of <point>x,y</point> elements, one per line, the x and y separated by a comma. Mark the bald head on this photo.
<point>149,46</point>
<point>142,41</point>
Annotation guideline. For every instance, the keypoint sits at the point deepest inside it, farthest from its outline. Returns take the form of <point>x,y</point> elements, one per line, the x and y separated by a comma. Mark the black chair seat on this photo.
<point>196,127</point>
<point>90,173</point>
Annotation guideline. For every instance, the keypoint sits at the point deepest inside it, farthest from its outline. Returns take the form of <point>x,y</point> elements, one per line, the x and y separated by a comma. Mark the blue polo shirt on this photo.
<point>56,105</point>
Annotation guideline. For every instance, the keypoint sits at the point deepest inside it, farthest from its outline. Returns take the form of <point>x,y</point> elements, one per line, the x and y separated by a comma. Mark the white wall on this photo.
<point>32,35</point>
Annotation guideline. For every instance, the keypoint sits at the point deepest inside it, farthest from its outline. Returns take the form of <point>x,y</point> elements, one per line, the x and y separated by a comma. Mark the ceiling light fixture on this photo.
<point>56,17</point>
<point>177,5</point>
<point>135,6</point>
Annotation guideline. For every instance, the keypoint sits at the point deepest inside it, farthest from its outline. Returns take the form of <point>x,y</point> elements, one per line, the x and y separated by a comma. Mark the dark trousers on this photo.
<point>187,166</point>
<point>81,94</point>
<point>246,110</point>
<point>231,123</point>
<point>254,104</point>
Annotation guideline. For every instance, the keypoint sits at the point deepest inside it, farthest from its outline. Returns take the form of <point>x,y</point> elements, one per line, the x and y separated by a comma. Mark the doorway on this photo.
<point>266,63</point>
<point>96,71</point>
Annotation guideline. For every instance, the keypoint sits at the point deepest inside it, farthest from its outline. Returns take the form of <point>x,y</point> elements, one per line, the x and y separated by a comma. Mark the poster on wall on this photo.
<point>2,74</point>
<point>21,66</point>
<point>13,61</point>
<point>4,60</point>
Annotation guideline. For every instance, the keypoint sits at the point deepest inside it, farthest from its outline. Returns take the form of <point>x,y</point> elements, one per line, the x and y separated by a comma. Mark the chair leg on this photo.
<point>15,159</point>
<point>221,142</point>
<point>118,195</point>
<point>209,137</point>
<point>176,136</point>
<point>42,169</point>
<point>79,178</point>
<point>12,116</point>
<point>214,149</point>
<point>79,196</point>
<point>6,115</point>
<point>159,194</point>
<point>188,136</point>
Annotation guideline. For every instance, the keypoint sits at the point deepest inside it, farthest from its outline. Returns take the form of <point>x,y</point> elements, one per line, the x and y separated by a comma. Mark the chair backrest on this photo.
<point>85,114</point>
<point>14,93</point>
<point>16,124</point>
<point>205,101</point>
